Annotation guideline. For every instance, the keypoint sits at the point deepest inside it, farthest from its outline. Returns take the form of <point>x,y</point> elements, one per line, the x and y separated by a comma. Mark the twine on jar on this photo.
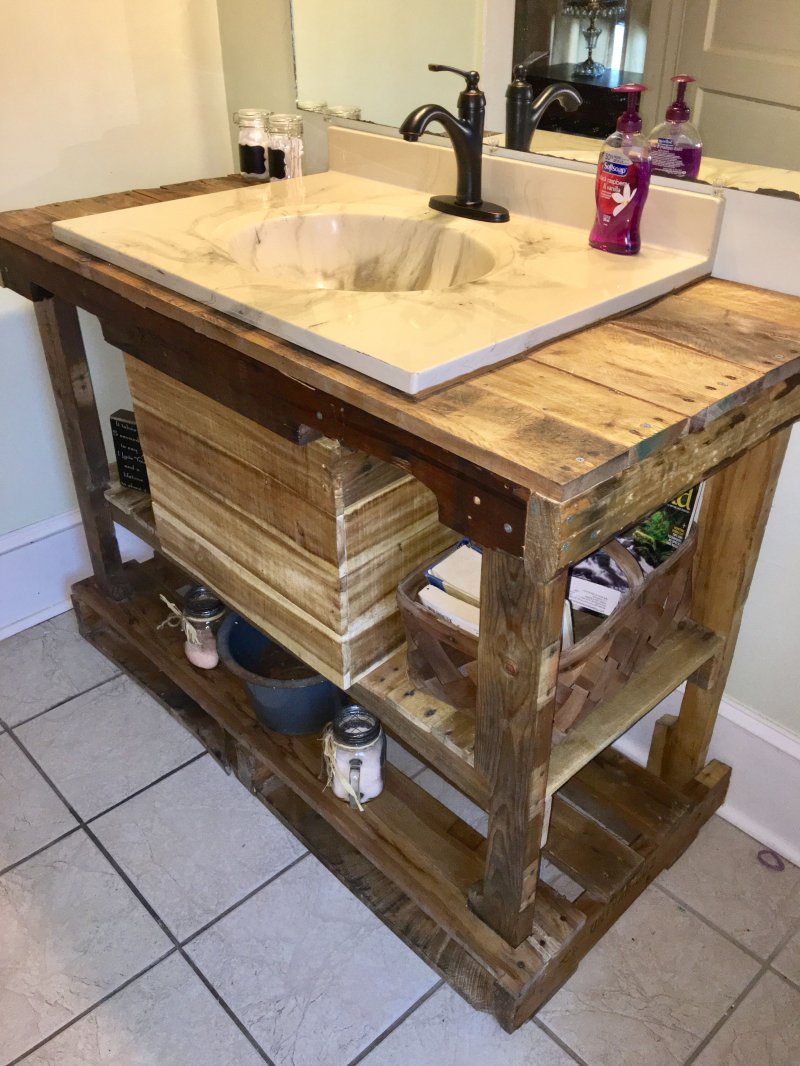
<point>176,618</point>
<point>329,747</point>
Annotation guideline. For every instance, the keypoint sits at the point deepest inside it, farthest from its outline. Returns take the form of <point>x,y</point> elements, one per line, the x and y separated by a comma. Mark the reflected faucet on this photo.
<point>523,113</point>
<point>466,134</point>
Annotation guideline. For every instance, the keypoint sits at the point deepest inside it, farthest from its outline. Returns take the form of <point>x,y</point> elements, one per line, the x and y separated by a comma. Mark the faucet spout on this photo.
<point>567,95</point>
<point>466,135</point>
<point>523,113</point>
<point>467,145</point>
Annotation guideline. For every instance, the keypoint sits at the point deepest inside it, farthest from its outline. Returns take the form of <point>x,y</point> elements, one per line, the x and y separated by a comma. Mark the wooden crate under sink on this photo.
<point>308,541</point>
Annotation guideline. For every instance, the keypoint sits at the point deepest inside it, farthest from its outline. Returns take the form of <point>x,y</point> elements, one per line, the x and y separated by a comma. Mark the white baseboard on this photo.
<point>40,562</point>
<point>764,795</point>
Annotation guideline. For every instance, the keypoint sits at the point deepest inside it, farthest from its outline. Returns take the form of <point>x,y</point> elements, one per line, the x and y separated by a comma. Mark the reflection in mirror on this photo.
<point>375,55</point>
<point>746,102</point>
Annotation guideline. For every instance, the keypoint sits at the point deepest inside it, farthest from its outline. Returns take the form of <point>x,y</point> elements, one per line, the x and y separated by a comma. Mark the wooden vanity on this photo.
<point>540,461</point>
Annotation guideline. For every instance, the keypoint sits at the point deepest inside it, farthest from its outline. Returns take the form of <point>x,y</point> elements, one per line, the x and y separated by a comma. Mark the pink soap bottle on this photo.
<point>675,146</point>
<point>623,180</point>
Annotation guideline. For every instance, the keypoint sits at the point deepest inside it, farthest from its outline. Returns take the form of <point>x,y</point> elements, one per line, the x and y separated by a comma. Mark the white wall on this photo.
<point>97,96</point>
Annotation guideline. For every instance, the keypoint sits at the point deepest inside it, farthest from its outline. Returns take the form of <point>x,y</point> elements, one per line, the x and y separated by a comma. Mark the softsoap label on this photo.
<point>617,184</point>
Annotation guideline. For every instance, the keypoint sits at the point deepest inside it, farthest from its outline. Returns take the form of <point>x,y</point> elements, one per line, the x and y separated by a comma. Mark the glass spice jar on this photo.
<point>354,749</point>
<point>253,137</point>
<point>285,147</point>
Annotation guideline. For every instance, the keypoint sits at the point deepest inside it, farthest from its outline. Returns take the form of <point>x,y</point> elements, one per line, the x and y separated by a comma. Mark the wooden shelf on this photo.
<point>132,509</point>
<point>444,736</point>
<point>409,858</point>
<point>680,656</point>
<point>430,853</point>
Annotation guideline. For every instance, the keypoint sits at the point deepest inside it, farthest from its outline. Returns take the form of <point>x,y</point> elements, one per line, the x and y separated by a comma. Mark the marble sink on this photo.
<point>363,272</point>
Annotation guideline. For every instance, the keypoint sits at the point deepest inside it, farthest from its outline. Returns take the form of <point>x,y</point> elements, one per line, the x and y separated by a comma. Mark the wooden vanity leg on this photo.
<point>64,351</point>
<point>734,514</point>
<point>520,641</point>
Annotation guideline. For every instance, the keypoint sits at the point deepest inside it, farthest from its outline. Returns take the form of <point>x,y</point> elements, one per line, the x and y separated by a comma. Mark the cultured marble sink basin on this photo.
<point>360,252</point>
<point>363,272</point>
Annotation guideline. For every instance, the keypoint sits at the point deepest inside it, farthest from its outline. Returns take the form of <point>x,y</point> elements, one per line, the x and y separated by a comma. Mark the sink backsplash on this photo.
<point>686,220</point>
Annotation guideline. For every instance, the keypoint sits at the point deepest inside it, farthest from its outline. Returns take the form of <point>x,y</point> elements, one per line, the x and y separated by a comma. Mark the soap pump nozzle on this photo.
<point>678,110</point>
<point>630,121</point>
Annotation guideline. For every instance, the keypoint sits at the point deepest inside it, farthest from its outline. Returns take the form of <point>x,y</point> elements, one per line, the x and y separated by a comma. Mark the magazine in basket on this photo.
<point>597,583</point>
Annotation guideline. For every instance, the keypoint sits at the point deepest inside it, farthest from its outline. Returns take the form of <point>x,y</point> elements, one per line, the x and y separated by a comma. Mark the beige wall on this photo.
<point>375,56</point>
<point>97,96</point>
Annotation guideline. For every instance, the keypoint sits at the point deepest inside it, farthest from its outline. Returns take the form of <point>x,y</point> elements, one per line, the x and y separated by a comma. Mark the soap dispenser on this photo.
<point>675,145</point>
<point>623,180</point>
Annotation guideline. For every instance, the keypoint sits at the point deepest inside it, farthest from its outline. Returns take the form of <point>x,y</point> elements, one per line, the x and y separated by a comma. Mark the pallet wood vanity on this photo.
<point>540,461</point>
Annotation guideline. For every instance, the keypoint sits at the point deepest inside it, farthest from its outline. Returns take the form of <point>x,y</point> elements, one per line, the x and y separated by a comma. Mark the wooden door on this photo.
<point>746,58</point>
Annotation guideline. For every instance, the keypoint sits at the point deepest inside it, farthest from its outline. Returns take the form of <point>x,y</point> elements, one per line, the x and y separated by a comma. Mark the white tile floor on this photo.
<point>153,913</point>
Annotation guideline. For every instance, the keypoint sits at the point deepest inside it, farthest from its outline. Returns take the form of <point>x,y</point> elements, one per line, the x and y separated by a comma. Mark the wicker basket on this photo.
<point>442,660</point>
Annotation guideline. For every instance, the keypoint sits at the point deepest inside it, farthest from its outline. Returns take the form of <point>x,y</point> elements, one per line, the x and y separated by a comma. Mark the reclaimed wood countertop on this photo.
<point>556,423</point>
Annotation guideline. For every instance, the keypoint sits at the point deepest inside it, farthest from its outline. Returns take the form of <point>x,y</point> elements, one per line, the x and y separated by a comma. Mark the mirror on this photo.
<point>373,56</point>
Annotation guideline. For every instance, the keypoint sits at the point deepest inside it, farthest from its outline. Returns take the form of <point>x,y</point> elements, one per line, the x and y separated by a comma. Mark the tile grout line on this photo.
<point>38,851</point>
<point>707,921</point>
<point>361,1055</point>
<point>245,898</point>
<point>144,788</point>
<point>85,821</point>
<point>535,1020</point>
<point>61,703</point>
<point>787,980</point>
<point>147,906</point>
<point>765,967</point>
<point>715,1028</point>
<point>103,999</point>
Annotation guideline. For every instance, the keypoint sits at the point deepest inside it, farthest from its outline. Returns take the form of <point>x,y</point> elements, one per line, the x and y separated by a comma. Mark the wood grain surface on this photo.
<point>558,420</point>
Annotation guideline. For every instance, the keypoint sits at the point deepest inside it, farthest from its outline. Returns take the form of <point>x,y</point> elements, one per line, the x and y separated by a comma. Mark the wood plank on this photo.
<point>597,409</point>
<point>60,333</point>
<point>736,506</point>
<point>677,658</point>
<point>309,584</point>
<point>307,541</point>
<point>707,794</point>
<point>519,462</point>
<point>562,934</point>
<point>518,652</point>
<point>591,855</point>
<point>750,327</point>
<point>400,832</point>
<point>562,533</point>
<point>310,470</point>
<point>132,509</point>
<point>244,590</point>
<point>614,783</point>
<point>437,732</point>
<point>670,376</point>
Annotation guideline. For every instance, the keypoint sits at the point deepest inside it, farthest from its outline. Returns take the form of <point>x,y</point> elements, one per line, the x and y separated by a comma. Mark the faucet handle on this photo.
<point>472,77</point>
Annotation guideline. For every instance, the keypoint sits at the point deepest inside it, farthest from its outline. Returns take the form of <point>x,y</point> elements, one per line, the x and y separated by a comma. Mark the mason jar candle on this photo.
<point>355,753</point>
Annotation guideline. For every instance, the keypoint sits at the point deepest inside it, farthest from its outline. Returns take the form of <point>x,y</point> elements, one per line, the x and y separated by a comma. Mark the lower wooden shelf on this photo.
<point>614,826</point>
<point>445,736</point>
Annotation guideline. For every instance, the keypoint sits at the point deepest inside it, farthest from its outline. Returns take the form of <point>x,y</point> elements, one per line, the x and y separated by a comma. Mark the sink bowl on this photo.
<point>365,273</point>
<point>359,253</point>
